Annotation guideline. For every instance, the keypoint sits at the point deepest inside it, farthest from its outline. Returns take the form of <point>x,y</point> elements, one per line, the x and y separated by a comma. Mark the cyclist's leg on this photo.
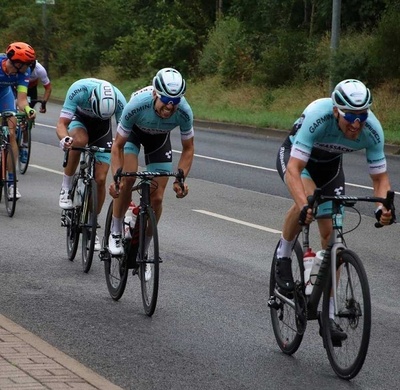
<point>8,104</point>
<point>78,132</point>
<point>121,204</point>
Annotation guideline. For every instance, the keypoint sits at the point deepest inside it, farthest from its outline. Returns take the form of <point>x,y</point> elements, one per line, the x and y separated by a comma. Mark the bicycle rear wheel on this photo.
<point>354,316</point>
<point>288,330</point>
<point>149,268</point>
<point>89,224</point>
<point>115,267</point>
<point>24,147</point>
<point>9,174</point>
<point>72,222</point>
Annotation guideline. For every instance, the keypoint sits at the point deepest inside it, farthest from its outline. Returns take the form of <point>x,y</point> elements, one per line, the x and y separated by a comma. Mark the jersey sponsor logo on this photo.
<point>73,94</point>
<point>184,114</point>
<point>334,147</point>
<point>373,133</point>
<point>319,122</point>
<point>136,110</point>
<point>148,130</point>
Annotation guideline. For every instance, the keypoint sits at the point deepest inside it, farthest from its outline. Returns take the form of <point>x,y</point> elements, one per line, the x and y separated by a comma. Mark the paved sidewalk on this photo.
<point>27,362</point>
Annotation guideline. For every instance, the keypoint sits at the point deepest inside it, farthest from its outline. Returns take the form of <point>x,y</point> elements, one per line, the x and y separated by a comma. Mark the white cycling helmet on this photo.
<point>169,82</point>
<point>104,100</point>
<point>351,95</point>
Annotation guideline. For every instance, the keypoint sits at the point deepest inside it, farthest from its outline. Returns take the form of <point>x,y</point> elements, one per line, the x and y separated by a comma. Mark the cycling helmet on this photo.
<point>351,95</point>
<point>21,52</point>
<point>103,100</point>
<point>169,82</point>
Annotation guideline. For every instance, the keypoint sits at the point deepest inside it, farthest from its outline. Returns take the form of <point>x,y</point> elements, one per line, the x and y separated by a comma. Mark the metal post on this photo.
<point>335,35</point>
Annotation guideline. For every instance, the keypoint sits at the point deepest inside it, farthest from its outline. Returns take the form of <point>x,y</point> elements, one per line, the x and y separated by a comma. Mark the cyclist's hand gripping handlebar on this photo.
<point>311,204</point>
<point>389,205</point>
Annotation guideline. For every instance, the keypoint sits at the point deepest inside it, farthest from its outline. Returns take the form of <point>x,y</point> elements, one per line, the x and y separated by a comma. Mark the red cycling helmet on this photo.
<point>21,52</point>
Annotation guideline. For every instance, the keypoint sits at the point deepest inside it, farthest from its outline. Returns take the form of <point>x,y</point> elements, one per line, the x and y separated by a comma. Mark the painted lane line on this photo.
<point>259,227</point>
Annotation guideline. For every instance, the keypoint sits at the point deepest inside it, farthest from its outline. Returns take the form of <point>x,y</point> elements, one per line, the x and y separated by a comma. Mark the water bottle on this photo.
<point>315,268</point>
<point>130,219</point>
<point>309,257</point>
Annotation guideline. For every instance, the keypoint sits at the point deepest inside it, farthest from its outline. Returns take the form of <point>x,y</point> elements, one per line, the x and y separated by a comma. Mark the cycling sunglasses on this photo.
<point>169,100</point>
<point>351,117</point>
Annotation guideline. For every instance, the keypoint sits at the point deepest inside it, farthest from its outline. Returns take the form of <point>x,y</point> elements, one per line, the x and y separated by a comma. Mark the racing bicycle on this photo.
<point>145,264</point>
<point>8,173</point>
<point>82,218</point>
<point>341,276</point>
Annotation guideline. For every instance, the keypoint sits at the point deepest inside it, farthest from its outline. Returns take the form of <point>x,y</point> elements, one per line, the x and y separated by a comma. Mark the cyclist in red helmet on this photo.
<point>14,71</point>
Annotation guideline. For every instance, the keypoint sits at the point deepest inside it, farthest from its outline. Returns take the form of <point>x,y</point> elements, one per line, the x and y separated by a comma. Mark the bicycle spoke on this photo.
<point>354,317</point>
<point>10,177</point>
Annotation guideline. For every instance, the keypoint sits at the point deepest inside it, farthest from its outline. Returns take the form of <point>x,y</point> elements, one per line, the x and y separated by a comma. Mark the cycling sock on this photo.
<point>116,225</point>
<point>67,181</point>
<point>10,177</point>
<point>331,309</point>
<point>147,243</point>
<point>285,248</point>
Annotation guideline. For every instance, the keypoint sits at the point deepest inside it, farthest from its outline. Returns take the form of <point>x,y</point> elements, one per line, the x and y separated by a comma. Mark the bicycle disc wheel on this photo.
<point>24,154</point>
<point>150,268</point>
<point>10,177</point>
<point>285,320</point>
<point>72,223</point>
<point>115,267</point>
<point>89,224</point>
<point>354,316</point>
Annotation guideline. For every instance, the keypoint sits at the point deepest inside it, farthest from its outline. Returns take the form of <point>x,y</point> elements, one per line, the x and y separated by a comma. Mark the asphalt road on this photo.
<point>211,328</point>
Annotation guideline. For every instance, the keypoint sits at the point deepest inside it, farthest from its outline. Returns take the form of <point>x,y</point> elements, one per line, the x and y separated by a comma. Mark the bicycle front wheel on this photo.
<point>288,329</point>
<point>115,267</point>
<point>24,147</point>
<point>89,224</point>
<point>72,222</point>
<point>353,316</point>
<point>149,262</point>
<point>9,174</point>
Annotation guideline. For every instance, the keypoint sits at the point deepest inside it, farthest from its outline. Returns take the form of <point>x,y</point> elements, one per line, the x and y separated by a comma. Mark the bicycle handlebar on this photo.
<point>90,149</point>
<point>318,197</point>
<point>148,175</point>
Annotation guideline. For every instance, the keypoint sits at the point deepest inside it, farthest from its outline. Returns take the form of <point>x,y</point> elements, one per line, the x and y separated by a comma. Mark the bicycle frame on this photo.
<point>336,244</point>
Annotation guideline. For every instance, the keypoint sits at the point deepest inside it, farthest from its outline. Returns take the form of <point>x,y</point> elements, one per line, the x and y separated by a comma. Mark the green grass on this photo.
<point>256,105</point>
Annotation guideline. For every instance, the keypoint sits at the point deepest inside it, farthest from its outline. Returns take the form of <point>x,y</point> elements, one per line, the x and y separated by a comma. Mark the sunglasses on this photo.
<point>169,100</point>
<point>351,117</point>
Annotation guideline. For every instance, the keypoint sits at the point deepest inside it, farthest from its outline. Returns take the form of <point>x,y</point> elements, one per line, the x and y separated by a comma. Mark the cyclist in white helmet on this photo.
<point>148,118</point>
<point>85,119</point>
<point>311,157</point>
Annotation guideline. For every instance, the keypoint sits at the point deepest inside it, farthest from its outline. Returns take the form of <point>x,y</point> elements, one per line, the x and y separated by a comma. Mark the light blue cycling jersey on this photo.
<point>140,112</point>
<point>319,137</point>
<point>20,80</point>
<point>77,100</point>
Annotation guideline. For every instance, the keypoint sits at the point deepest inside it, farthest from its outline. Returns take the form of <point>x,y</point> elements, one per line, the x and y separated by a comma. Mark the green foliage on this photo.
<point>281,60</point>
<point>227,53</point>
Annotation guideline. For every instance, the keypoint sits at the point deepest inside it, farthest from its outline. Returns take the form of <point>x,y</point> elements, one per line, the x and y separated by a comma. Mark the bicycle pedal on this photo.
<point>104,255</point>
<point>273,304</point>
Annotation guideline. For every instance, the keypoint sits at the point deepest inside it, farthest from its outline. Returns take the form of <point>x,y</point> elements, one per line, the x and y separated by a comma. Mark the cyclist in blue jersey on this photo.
<point>85,119</point>
<point>311,157</point>
<point>148,118</point>
<point>14,73</point>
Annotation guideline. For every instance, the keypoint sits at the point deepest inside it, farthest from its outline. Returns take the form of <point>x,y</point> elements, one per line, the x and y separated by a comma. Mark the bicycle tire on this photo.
<point>283,316</point>
<point>149,269</point>
<point>9,159</point>
<point>72,222</point>
<point>89,224</point>
<point>23,166</point>
<point>115,268</point>
<point>354,307</point>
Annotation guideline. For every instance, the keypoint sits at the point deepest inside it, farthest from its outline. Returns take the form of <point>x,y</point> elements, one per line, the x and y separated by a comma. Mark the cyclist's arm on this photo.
<point>117,161</point>
<point>47,92</point>
<point>22,101</point>
<point>294,182</point>
<point>62,127</point>
<point>381,184</point>
<point>186,160</point>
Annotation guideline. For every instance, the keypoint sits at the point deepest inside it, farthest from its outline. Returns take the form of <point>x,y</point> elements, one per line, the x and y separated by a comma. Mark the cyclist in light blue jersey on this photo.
<point>85,119</point>
<point>148,118</point>
<point>311,157</point>
<point>14,73</point>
